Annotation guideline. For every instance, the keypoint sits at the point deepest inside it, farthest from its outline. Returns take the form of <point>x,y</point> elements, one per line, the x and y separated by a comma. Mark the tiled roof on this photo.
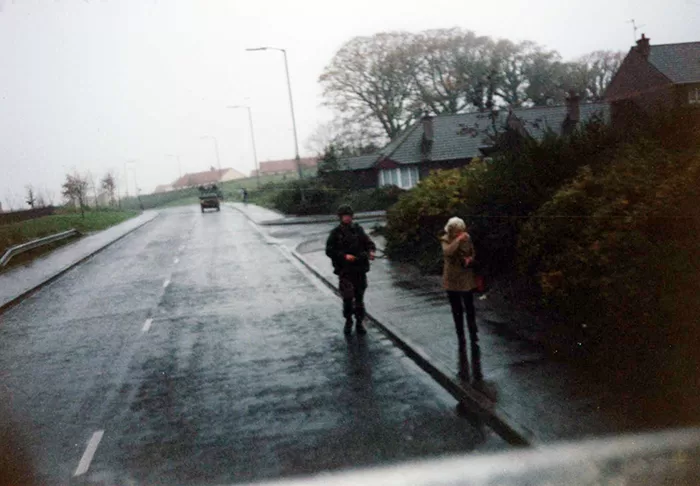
<point>288,165</point>
<point>460,136</point>
<point>678,62</point>
<point>358,163</point>
<point>199,178</point>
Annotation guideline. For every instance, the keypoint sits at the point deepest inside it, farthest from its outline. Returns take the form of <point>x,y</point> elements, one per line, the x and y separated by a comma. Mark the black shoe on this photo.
<point>348,327</point>
<point>361,330</point>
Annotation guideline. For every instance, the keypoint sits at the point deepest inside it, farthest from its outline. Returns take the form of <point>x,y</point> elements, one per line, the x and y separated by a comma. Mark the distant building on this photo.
<point>655,77</point>
<point>208,177</point>
<point>163,188</point>
<point>287,166</point>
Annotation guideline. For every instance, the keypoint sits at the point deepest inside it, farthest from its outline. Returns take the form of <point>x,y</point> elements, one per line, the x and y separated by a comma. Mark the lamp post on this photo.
<point>216,148</point>
<point>291,102</point>
<point>252,138</point>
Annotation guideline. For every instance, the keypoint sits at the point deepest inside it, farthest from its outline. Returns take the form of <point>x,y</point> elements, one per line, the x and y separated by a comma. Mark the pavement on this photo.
<point>192,351</point>
<point>19,281</point>
<point>548,397</point>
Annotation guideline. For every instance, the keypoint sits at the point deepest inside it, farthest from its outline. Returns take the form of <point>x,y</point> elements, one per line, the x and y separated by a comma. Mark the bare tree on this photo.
<point>75,190</point>
<point>93,187</point>
<point>369,81</point>
<point>40,200</point>
<point>347,137</point>
<point>387,81</point>
<point>591,74</point>
<point>109,185</point>
<point>450,68</point>
<point>31,197</point>
<point>50,196</point>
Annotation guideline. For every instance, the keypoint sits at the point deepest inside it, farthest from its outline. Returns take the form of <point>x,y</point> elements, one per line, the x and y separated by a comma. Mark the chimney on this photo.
<point>428,135</point>
<point>427,127</point>
<point>643,47</point>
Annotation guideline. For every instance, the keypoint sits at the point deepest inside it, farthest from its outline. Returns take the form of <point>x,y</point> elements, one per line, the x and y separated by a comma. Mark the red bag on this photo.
<point>480,284</point>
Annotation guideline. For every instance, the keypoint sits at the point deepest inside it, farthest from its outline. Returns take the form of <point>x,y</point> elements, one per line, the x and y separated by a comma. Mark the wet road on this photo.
<point>553,398</point>
<point>193,352</point>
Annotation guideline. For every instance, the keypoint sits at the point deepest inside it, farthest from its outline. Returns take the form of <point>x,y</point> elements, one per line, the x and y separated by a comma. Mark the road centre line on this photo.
<point>176,260</point>
<point>147,325</point>
<point>166,283</point>
<point>89,453</point>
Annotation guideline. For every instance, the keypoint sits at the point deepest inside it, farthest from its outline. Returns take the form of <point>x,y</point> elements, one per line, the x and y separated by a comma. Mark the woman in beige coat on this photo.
<point>459,281</point>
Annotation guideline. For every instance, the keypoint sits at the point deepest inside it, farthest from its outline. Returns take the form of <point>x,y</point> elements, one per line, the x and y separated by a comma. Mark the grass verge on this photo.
<point>18,233</point>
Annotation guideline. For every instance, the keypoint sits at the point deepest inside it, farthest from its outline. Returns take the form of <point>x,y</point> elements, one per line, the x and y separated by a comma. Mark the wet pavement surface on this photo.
<point>194,352</point>
<point>17,281</point>
<point>549,397</point>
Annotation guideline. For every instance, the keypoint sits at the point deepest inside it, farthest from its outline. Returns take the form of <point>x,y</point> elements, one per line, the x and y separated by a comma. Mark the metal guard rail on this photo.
<point>17,249</point>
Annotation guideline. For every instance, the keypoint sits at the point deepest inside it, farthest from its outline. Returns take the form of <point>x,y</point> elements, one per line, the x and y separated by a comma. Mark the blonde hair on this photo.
<point>454,225</point>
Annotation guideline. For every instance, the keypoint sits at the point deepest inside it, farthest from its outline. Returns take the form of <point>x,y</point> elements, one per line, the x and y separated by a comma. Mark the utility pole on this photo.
<point>252,139</point>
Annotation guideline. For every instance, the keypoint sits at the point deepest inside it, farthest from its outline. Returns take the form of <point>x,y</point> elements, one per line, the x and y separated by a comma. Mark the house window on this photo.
<point>403,177</point>
<point>694,96</point>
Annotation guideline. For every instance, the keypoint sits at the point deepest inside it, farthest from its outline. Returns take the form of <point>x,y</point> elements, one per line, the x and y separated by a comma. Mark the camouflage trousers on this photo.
<point>352,289</point>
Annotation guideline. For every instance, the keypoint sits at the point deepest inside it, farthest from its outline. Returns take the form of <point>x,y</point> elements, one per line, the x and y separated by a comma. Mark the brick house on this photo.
<point>287,166</point>
<point>207,177</point>
<point>653,78</point>
<point>451,141</point>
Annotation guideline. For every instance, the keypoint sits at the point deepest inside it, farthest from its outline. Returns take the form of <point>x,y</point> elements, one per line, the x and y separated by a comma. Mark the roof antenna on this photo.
<point>635,28</point>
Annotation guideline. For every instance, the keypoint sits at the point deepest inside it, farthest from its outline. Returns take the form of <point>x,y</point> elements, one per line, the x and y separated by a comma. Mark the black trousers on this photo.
<point>352,289</point>
<point>461,303</point>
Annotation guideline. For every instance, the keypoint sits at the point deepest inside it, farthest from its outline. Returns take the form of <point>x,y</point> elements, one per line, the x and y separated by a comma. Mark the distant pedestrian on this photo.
<point>460,282</point>
<point>350,251</point>
<point>244,194</point>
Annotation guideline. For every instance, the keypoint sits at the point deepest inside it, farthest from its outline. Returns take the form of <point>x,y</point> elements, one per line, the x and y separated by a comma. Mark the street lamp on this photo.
<point>291,102</point>
<point>252,138</point>
<point>179,165</point>
<point>216,148</point>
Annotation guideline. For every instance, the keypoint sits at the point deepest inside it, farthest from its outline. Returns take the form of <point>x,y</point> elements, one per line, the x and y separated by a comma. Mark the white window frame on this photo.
<point>405,177</point>
<point>694,96</point>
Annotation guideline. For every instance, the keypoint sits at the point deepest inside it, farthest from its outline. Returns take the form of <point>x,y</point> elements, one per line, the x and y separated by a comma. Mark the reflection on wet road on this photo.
<point>205,356</point>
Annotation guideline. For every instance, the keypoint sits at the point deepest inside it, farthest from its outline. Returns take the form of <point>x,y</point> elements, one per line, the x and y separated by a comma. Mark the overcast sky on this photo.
<point>91,84</point>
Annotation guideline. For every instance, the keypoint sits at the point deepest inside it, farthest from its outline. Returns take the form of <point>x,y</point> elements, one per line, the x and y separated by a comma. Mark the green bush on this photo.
<point>320,198</point>
<point>371,199</point>
<point>414,222</point>
<point>616,251</point>
<point>494,197</point>
<point>302,197</point>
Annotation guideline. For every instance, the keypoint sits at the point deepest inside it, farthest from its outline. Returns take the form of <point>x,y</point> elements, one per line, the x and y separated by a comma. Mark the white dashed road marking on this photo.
<point>176,260</point>
<point>147,325</point>
<point>166,283</point>
<point>85,461</point>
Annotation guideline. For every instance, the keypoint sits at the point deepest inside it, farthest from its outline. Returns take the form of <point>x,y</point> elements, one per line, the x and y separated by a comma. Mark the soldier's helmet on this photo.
<point>345,210</point>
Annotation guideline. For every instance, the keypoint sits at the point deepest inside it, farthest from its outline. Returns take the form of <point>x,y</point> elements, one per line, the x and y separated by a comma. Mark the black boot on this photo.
<point>348,326</point>
<point>361,330</point>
